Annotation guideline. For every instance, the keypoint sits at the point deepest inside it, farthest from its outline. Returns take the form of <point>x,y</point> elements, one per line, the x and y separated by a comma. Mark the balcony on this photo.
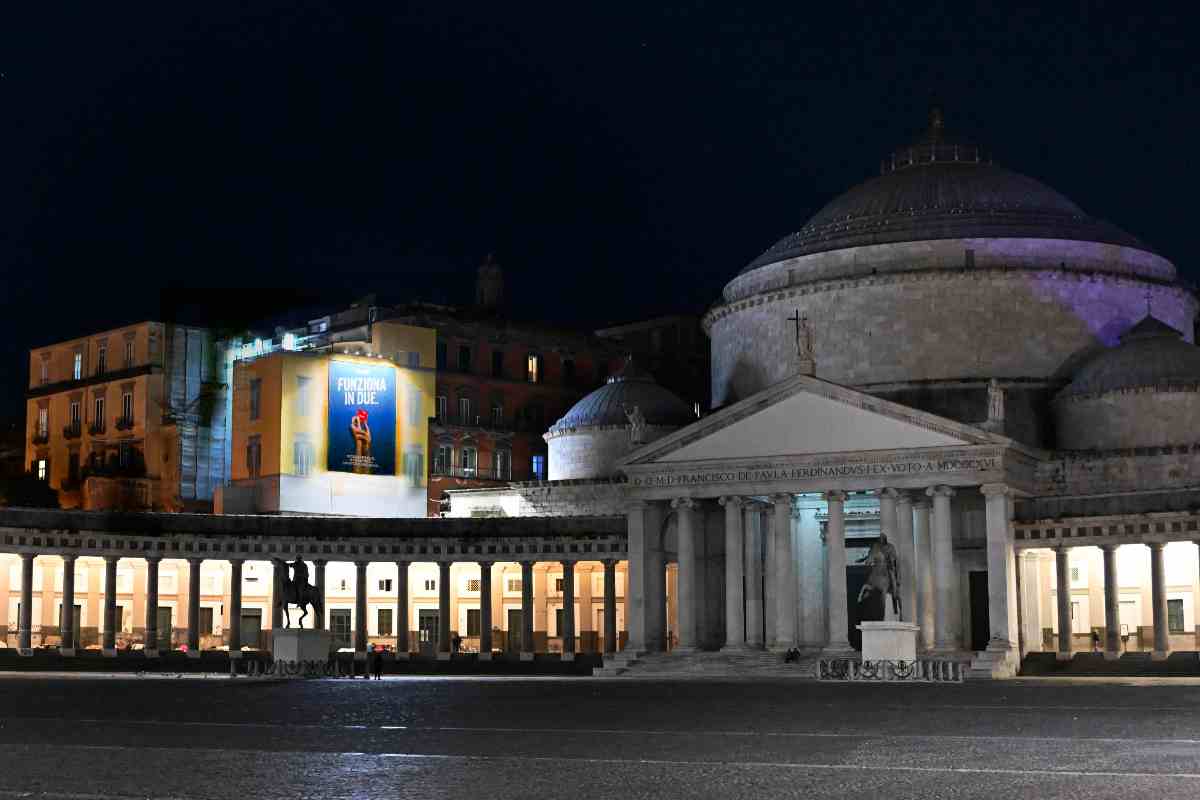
<point>73,430</point>
<point>475,473</point>
<point>475,423</point>
<point>124,423</point>
<point>96,428</point>
<point>41,437</point>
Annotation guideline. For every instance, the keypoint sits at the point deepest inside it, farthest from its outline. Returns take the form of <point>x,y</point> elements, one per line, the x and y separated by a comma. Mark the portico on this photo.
<point>785,490</point>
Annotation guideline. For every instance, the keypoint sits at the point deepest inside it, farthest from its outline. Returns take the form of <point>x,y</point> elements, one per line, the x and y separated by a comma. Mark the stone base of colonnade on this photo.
<point>998,660</point>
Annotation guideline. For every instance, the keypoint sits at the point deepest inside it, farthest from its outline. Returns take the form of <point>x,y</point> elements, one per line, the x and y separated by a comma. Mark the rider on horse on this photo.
<point>299,581</point>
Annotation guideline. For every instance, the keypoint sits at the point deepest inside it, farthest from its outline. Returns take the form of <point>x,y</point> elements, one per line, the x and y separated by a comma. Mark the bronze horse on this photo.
<point>884,576</point>
<point>292,593</point>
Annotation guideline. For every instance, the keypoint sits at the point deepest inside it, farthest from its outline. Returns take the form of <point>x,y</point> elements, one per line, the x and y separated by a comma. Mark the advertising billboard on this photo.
<point>362,418</point>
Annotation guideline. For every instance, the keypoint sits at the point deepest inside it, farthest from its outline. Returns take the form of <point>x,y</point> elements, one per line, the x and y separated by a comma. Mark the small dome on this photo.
<point>1151,353</point>
<point>630,387</point>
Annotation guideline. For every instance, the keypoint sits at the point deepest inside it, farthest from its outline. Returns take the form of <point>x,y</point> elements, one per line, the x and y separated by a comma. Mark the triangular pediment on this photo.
<point>807,416</point>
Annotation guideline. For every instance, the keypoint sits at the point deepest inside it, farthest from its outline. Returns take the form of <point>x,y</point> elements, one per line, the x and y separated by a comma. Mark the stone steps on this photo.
<point>751,664</point>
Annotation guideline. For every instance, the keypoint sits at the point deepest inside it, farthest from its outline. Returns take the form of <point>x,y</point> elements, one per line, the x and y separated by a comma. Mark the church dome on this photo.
<point>592,437</point>
<point>630,387</point>
<point>935,189</point>
<point>1145,392</point>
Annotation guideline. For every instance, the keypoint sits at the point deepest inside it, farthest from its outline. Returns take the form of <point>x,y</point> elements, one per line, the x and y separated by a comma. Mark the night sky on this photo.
<point>621,160</point>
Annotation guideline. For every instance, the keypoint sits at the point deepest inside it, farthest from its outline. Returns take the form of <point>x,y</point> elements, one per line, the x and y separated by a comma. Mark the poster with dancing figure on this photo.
<point>362,418</point>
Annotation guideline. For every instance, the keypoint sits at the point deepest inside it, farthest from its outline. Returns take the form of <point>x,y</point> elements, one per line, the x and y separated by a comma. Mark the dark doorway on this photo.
<point>980,620</point>
<point>76,624</point>
<point>856,576</point>
<point>513,634</point>
<point>339,626</point>
<point>427,631</point>
<point>251,628</point>
<point>164,628</point>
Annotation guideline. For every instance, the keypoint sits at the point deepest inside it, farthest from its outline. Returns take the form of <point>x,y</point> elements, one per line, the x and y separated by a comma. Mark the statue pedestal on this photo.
<point>889,641</point>
<point>301,644</point>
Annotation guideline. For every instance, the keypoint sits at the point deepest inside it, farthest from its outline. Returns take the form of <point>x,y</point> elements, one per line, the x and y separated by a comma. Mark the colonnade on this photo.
<point>806,608</point>
<point>1112,621</point>
<point>151,634</point>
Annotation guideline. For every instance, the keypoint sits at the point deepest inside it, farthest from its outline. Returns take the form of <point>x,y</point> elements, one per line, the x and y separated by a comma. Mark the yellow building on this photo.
<point>128,418</point>
<point>295,443</point>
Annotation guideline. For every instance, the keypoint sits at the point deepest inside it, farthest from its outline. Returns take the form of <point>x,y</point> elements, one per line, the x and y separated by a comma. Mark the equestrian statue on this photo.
<point>884,576</point>
<point>297,591</point>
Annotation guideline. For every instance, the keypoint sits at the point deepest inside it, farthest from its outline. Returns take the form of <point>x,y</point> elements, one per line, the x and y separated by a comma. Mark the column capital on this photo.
<point>69,556</point>
<point>1062,549</point>
<point>888,493</point>
<point>940,491</point>
<point>149,559</point>
<point>1156,545</point>
<point>195,560</point>
<point>526,562</point>
<point>482,564</point>
<point>111,559</point>
<point>684,502</point>
<point>781,498</point>
<point>399,563</point>
<point>609,563</point>
<point>919,501</point>
<point>995,490</point>
<point>568,563</point>
<point>732,500</point>
<point>1109,547</point>
<point>903,498</point>
<point>835,496</point>
<point>636,505</point>
<point>317,562</point>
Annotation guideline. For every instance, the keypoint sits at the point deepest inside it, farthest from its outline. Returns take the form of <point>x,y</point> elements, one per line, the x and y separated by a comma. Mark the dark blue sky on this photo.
<point>622,161</point>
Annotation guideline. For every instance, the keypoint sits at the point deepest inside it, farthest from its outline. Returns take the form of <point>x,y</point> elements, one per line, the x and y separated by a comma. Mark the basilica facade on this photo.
<point>950,355</point>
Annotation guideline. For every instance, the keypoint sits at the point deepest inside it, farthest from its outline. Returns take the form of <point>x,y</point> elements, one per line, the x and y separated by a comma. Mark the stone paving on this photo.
<point>441,737</point>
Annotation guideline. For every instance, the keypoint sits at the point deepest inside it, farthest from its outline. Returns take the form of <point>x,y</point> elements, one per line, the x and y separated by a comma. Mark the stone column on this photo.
<point>193,634</point>
<point>685,509</point>
<point>25,620</point>
<point>923,553</point>
<point>485,610</point>
<point>1158,596</point>
<point>1029,578</point>
<point>150,647</point>
<point>785,573</point>
<point>1112,604</point>
<point>752,518</point>
<point>444,611</point>
<point>946,637</point>
<point>735,620</point>
<point>835,560</point>
<point>811,556</point>
<point>610,606</point>
<point>527,611</point>
<point>278,571</point>
<point>1002,591</point>
<point>66,622</point>
<point>360,610</point>
<point>402,610</point>
<point>109,645</point>
<point>319,622</point>
<point>1063,584</point>
<point>567,634</point>
<point>235,607</point>
<point>906,547</point>
<point>645,581</point>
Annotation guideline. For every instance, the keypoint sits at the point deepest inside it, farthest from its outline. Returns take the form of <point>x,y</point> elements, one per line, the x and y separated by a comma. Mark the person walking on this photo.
<point>377,663</point>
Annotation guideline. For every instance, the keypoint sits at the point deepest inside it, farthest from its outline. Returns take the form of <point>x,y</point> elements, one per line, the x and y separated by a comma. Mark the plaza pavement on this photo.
<point>99,738</point>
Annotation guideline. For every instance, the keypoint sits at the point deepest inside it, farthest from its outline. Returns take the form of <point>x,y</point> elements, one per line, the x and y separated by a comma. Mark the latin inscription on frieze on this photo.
<point>806,472</point>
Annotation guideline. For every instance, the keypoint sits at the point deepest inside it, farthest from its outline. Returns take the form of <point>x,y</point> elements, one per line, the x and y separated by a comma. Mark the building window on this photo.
<point>255,397</point>
<point>1074,574</point>
<point>441,459</point>
<point>558,622</point>
<point>303,391</point>
<point>468,456</point>
<point>254,456</point>
<point>414,466</point>
<point>127,407</point>
<point>464,358</point>
<point>129,352</point>
<point>102,360</point>
<point>534,417</point>
<point>568,372</point>
<point>75,411</point>
<point>342,586</point>
<point>533,368</point>
<point>124,454</point>
<point>43,423</point>
<point>1175,615</point>
<point>558,585</point>
<point>464,410</point>
<point>474,621</point>
<point>45,372</point>
<point>441,355</point>
<point>502,464</point>
<point>473,584</point>
<point>385,584</point>
<point>206,621</point>
<point>513,585</point>
<point>497,413</point>
<point>430,585</point>
<point>414,359</point>
<point>77,368</point>
<point>98,413</point>
<point>43,469</point>
<point>302,456</point>
<point>497,363</point>
<point>538,468</point>
<point>441,408</point>
<point>384,621</point>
